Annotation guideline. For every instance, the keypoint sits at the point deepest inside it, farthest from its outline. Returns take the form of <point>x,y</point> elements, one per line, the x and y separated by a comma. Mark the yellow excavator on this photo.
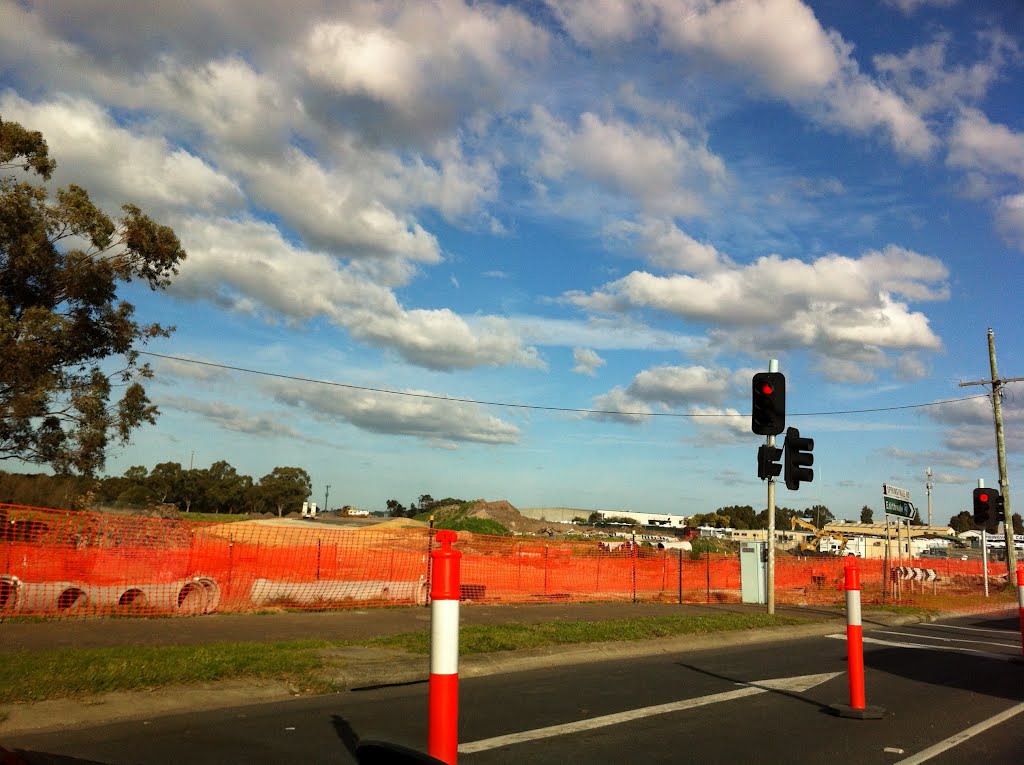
<point>813,545</point>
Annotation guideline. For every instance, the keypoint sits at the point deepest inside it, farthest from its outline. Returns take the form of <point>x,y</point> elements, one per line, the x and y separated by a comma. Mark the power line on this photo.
<point>435,397</point>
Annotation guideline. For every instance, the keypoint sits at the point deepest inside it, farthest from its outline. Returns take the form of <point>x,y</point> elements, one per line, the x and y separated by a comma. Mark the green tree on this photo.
<point>395,508</point>
<point>285,487</point>
<point>819,515</point>
<point>866,515</point>
<point>61,262</point>
<point>740,516</point>
<point>226,490</point>
<point>961,522</point>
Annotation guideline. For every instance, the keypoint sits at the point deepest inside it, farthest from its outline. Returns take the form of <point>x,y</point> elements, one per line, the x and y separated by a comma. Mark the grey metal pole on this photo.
<point>773,366</point>
<point>1004,481</point>
<point>984,548</point>
<point>928,488</point>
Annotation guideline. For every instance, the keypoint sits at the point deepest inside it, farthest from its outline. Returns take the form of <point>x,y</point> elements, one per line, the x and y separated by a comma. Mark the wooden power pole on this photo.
<point>1004,482</point>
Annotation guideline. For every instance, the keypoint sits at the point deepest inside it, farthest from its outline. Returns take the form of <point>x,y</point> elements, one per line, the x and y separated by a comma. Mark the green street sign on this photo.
<point>898,507</point>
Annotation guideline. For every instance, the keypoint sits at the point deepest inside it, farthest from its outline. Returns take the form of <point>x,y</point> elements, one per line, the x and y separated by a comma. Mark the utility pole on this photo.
<point>1004,481</point>
<point>928,489</point>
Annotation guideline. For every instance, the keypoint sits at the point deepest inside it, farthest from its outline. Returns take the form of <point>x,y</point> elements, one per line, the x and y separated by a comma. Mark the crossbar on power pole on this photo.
<point>1004,482</point>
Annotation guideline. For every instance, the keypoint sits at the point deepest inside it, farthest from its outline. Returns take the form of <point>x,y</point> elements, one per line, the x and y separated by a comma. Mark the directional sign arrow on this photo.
<point>792,684</point>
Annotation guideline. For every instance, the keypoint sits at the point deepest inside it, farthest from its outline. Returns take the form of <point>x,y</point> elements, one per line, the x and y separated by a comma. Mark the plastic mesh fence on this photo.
<point>61,564</point>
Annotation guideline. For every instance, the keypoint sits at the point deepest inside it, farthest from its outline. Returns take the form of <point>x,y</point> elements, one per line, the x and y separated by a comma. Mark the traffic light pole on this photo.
<point>1004,481</point>
<point>773,366</point>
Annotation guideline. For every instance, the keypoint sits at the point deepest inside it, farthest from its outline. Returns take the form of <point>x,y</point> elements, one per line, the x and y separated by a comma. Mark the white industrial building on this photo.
<point>568,514</point>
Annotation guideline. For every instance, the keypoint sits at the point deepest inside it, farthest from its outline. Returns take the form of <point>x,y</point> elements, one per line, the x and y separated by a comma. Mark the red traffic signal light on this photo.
<point>768,407</point>
<point>988,505</point>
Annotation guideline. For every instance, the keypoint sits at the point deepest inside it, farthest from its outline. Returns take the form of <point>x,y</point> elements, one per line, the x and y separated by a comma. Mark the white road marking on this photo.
<point>971,629</point>
<point>943,639</point>
<point>795,684</point>
<point>954,649</point>
<point>959,738</point>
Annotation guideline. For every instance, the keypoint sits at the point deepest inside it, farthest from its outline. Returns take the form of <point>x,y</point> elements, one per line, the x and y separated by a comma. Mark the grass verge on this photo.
<point>27,676</point>
<point>510,637</point>
<point>70,672</point>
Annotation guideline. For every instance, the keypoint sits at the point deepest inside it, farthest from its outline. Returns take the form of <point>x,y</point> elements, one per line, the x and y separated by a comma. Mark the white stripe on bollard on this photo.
<point>444,637</point>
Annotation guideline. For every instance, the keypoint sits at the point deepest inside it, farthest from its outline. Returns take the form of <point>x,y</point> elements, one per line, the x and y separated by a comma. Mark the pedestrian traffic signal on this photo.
<point>988,505</point>
<point>768,465</point>
<point>768,412</point>
<point>798,458</point>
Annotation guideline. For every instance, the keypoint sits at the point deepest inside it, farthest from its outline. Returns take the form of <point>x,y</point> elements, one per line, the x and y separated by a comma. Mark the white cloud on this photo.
<point>832,304</point>
<point>662,171</point>
<point>232,418</point>
<point>978,144</point>
<point>676,386</point>
<point>909,7</point>
<point>617,405</point>
<point>665,246</point>
<point>778,46</point>
<point>587,361</point>
<point>246,265</point>
<point>117,164</point>
<point>1010,219</point>
<point>923,77</point>
<point>425,416</point>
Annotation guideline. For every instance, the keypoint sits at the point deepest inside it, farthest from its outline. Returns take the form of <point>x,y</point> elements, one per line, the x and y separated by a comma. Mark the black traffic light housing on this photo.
<point>798,459</point>
<point>768,412</point>
<point>988,506</point>
<point>768,465</point>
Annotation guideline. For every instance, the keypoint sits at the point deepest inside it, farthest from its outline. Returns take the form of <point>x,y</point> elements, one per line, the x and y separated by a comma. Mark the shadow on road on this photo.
<point>776,691</point>
<point>963,671</point>
<point>25,757</point>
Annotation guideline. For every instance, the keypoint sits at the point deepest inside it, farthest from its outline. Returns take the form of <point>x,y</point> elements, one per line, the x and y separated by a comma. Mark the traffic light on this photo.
<point>798,458</point>
<point>768,413</point>
<point>768,462</point>
<point>988,505</point>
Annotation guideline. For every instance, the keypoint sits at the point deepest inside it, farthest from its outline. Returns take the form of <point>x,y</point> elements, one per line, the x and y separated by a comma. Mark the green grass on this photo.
<point>27,676</point>
<point>510,637</point>
<point>71,672</point>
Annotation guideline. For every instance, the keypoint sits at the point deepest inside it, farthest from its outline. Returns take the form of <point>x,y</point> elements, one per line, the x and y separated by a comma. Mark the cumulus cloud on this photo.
<point>663,171</point>
<point>929,84</point>
<point>246,265</point>
<point>416,413</point>
<point>587,361</point>
<point>696,389</point>
<point>778,46</point>
<point>1010,219</point>
<point>118,164</point>
<point>233,418</point>
<point>834,305</point>
<point>978,144</point>
<point>665,246</point>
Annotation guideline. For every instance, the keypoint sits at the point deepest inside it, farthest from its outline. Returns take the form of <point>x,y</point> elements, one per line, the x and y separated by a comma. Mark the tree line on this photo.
<point>219,488</point>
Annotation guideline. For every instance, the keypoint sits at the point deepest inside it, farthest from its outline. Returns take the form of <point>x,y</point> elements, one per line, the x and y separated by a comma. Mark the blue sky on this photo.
<point>625,205</point>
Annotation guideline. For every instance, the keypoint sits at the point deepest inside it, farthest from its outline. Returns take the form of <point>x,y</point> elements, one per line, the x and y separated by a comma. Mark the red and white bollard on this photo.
<point>445,592</point>
<point>1020,602</point>
<point>857,708</point>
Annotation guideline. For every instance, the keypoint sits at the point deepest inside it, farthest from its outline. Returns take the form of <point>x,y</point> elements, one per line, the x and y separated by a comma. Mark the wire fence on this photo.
<point>70,564</point>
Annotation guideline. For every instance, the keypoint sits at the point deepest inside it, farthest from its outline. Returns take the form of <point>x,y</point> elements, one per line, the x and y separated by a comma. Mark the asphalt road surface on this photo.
<point>950,692</point>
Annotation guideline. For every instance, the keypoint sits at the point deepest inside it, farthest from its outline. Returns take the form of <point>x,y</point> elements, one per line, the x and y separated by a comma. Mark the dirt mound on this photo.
<point>508,516</point>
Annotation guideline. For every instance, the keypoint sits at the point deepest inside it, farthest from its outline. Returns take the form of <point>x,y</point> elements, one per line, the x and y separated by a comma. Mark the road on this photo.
<point>949,690</point>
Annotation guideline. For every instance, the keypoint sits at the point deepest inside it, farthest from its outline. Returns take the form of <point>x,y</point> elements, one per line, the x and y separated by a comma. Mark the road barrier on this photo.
<point>1020,602</point>
<point>857,708</point>
<point>443,693</point>
<point>64,564</point>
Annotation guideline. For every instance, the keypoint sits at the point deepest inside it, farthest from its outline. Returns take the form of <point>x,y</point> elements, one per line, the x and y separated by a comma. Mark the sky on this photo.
<point>535,251</point>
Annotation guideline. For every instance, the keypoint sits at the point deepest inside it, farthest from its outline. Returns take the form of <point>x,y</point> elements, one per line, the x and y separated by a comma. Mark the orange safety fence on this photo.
<point>56,564</point>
